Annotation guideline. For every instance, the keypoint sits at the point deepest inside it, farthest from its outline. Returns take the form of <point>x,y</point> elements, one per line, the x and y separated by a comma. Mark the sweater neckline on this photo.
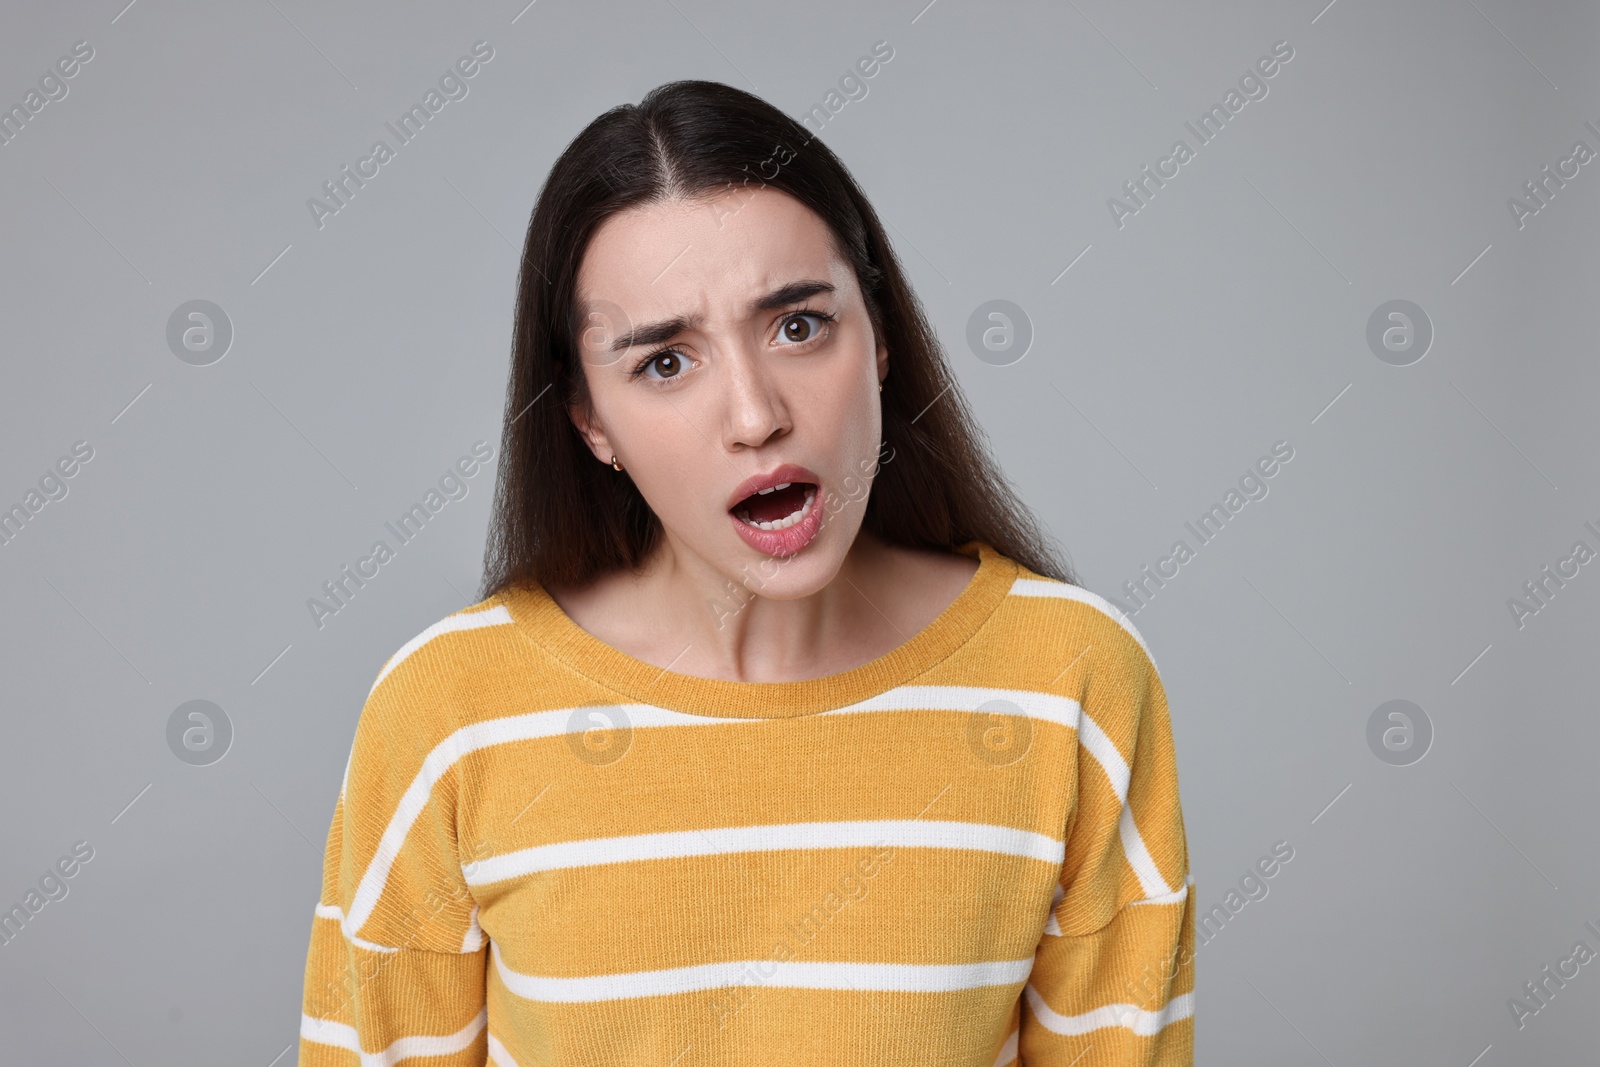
<point>541,620</point>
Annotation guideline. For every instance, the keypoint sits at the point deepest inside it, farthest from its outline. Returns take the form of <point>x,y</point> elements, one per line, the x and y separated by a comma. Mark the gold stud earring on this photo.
<point>880,387</point>
<point>614,464</point>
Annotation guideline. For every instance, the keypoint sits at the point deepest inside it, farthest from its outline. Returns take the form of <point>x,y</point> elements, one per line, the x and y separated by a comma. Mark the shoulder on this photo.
<point>1109,671</point>
<point>426,689</point>
<point>1083,619</point>
<point>441,651</point>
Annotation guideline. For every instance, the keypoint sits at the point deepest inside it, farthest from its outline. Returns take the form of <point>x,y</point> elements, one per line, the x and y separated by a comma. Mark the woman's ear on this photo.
<point>582,415</point>
<point>883,363</point>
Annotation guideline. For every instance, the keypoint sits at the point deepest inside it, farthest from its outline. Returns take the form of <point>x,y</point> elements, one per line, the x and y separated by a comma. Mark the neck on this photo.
<point>680,613</point>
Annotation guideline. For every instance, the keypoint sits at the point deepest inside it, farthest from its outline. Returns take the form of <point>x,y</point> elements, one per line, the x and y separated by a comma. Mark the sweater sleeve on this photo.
<point>396,965</point>
<point>1113,976</point>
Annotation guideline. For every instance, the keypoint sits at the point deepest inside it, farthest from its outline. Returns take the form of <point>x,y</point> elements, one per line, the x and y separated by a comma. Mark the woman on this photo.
<point>779,735</point>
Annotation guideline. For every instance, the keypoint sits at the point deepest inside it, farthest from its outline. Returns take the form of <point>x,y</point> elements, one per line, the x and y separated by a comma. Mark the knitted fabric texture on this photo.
<point>968,851</point>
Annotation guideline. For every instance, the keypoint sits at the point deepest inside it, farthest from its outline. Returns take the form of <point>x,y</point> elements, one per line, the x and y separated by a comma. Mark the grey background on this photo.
<point>1229,314</point>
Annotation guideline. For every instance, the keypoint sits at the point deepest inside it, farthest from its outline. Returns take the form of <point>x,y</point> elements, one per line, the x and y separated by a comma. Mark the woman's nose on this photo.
<point>755,410</point>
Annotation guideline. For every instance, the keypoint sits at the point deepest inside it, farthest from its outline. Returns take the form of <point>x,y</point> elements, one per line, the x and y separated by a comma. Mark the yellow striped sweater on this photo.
<point>968,851</point>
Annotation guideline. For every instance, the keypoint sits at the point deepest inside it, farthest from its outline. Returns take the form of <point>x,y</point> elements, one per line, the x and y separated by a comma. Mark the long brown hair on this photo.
<point>561,517</point>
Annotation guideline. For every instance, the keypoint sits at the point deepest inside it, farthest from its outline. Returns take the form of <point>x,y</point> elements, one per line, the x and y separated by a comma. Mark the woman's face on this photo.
<point>727,353</point>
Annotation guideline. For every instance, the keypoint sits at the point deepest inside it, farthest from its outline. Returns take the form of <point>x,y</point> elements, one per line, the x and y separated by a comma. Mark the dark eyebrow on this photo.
<point>654,333</point>
<point>793,293</point>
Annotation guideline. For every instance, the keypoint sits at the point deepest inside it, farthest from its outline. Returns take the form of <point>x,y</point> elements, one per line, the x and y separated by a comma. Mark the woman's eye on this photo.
<point>799,328</point>
<point>664,365</point>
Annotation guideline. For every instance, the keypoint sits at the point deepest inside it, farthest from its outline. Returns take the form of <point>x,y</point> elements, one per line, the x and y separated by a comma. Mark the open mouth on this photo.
<point>777,507</point>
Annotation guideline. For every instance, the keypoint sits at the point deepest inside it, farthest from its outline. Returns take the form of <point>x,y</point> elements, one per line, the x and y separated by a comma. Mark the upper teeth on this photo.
<point>787,521</point>
<point>773,489</point>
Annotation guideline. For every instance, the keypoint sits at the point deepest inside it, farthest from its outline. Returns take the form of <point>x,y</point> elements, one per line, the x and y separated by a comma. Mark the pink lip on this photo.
<point>785,542</point>
<point>789,472</point>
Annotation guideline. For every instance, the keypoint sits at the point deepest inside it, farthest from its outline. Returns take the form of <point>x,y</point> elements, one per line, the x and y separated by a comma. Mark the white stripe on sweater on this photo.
<point>498,1055</point>
<point>340,1035</point>
<point>793,974</point>
<point>332,911</point>
<point>766,837</point>
<point>1177,897</point>
<point>1053,927</point>
<point>1128,1016</point>
<point>1008,1050</point>
<point>1110,759</point>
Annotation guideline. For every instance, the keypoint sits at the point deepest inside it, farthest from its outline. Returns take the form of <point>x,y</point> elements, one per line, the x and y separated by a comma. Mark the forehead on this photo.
<point>708,254</point>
